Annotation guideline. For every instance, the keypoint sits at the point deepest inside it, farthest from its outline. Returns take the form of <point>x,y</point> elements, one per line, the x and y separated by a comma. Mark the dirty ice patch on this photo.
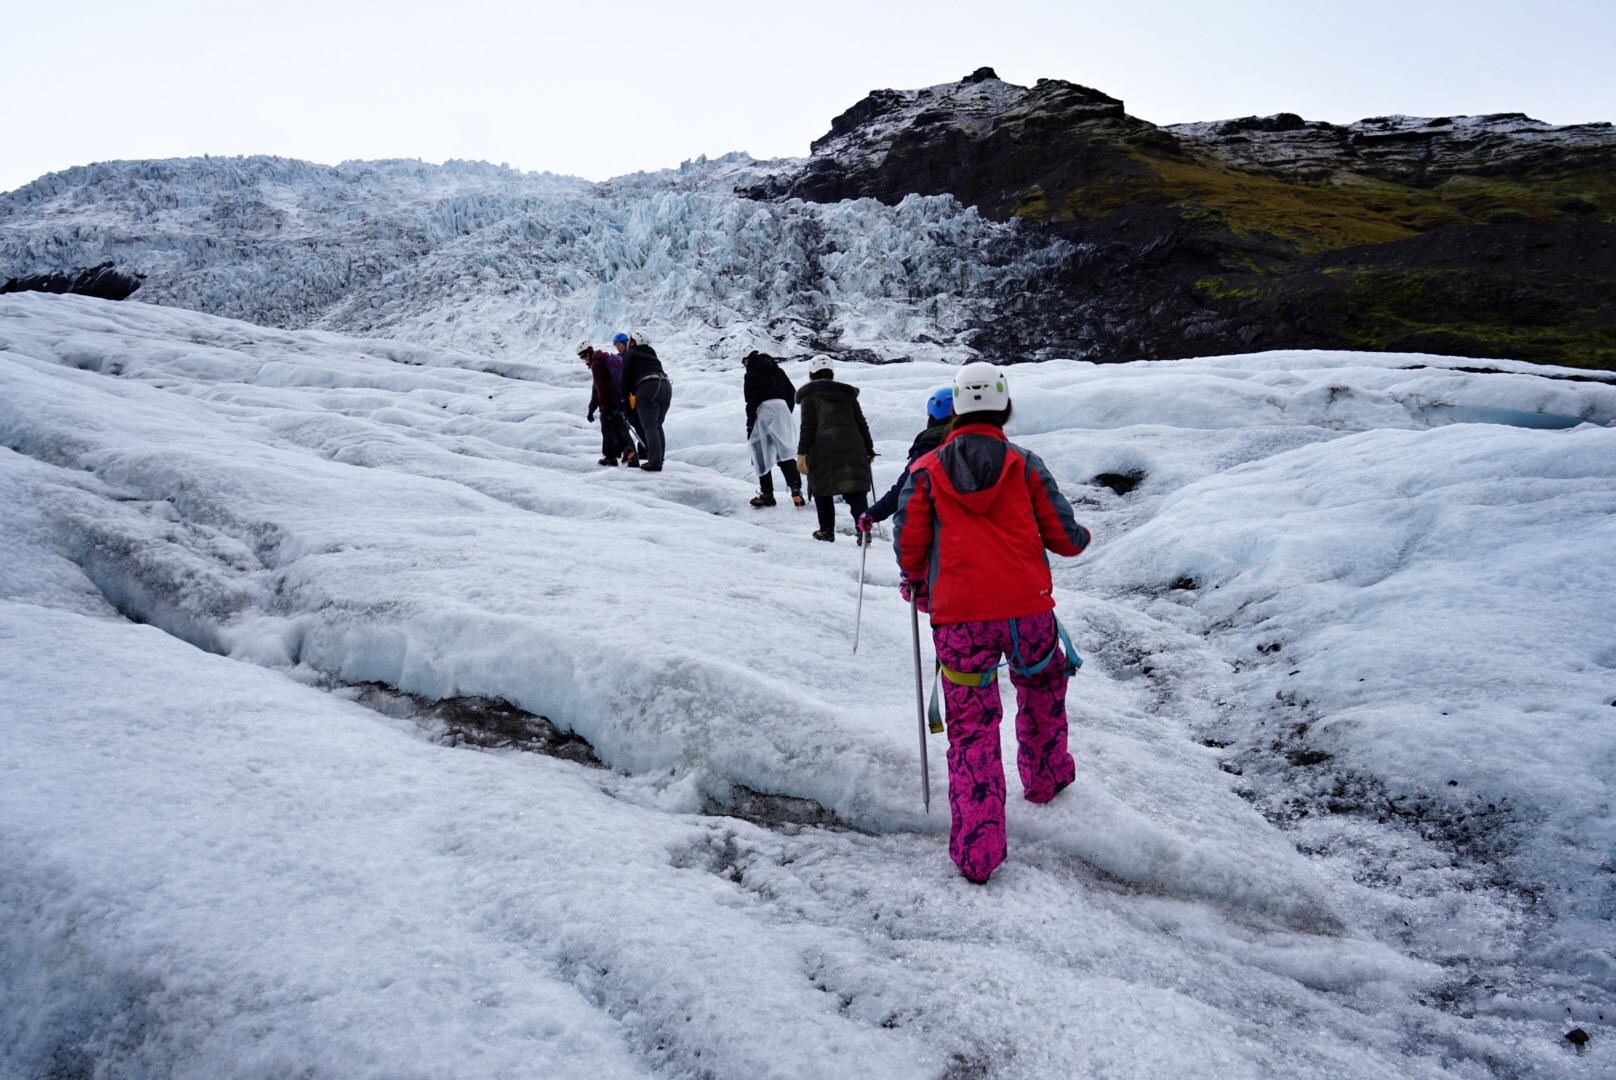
<point>1443,616</point>
<point>292,882</point>
<point>296,523</point>
<point>335,509</point>
<point>290,879</point>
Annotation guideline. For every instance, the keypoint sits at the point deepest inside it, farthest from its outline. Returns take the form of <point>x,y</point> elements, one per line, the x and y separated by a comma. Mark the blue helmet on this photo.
<point>622,339</point>
<point>940,406</point>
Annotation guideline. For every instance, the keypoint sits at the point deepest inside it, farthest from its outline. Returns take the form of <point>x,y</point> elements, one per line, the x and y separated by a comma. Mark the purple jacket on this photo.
<point>607,369</point>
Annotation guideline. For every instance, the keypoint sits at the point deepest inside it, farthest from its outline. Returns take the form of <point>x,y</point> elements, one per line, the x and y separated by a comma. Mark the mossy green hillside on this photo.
<point>1543,316</point>
<point>1306,217</point>
<point>1495,236</point>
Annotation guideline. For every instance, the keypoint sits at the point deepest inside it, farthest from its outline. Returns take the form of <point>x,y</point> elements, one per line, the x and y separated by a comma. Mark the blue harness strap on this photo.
<point>1073,661</point>
<point>934,713</point>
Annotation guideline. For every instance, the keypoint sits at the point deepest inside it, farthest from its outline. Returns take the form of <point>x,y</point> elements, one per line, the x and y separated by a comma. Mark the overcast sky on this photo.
<point>601,89</point>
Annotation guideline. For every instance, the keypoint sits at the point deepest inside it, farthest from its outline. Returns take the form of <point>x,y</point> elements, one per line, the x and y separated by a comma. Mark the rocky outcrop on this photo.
<point>1398,149</point>
<point>105,281</point>
<point>1259,232</point>
<point>983,140</point>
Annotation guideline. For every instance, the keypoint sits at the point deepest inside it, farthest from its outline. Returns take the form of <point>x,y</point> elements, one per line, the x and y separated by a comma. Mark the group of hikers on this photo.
<point>831,446</point>
<point>973,517</point>
<point>631,393</point>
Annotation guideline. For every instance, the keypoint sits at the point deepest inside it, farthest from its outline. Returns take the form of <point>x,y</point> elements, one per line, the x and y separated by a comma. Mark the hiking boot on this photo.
<point>797,499</point>
<point>609,461</point>
<point>631,460</point>
<point>652,466</point>
<point>763,498</point>
<point>827,535</point>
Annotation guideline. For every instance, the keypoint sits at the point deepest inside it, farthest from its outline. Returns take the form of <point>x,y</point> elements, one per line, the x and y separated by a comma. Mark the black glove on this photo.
<point>591,416</point>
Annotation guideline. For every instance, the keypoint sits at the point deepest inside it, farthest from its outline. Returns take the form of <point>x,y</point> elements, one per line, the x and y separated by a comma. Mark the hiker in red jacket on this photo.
<point>974,518</point>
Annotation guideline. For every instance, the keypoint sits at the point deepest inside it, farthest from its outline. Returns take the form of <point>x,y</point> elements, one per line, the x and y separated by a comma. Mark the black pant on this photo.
<point>651,400</point>
<point>788,469</point>
<point>615,437</point>
<point>858,502</point>
<point>636,432</point>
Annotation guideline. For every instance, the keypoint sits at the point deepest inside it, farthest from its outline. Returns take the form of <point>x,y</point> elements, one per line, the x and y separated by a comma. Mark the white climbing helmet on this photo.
<point>980,387</point>
<point>640,337</point>
<point>586,348</point>
<point>820,363</point>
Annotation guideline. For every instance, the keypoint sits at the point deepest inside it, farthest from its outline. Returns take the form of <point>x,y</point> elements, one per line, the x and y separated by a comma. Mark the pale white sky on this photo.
<point>598,89</point>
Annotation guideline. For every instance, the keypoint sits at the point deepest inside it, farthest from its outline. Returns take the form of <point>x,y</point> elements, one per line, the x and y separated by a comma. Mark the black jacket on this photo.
<point>835,437</point>
<point>924,443</point>
<point>639,363</point>
<point>764,382</point>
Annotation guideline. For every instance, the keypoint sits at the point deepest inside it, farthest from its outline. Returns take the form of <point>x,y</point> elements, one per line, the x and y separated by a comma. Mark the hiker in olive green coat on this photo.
<point>834,447</point>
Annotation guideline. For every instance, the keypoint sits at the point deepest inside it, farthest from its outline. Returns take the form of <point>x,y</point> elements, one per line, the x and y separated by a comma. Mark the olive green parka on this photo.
<point>835,438</point>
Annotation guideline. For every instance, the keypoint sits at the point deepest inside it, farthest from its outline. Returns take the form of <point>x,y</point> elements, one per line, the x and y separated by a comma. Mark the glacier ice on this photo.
<point>213,867</point>
<point>516,264</point>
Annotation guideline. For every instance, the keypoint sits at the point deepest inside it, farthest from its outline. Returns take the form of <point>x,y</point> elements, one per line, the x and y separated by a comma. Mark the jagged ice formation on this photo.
<point>503,262</point>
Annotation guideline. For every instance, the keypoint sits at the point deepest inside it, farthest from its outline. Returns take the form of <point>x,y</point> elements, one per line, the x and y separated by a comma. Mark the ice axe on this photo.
<point>920,706</point>
<point>858,613</point>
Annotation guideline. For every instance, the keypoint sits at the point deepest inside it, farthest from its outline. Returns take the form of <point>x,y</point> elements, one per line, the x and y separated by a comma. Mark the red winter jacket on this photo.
<point>975,517</point>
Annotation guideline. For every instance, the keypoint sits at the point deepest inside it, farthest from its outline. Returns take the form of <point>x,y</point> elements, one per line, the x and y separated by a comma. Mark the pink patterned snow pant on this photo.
<point>975,771</point>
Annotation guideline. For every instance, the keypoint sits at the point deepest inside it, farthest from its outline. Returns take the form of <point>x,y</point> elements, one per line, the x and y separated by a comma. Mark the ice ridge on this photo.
<point>501,262</point>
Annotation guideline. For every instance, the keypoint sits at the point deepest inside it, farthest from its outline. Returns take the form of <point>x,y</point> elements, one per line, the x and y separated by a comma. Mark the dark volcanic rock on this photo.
<point>1278,122</point>
<point>979,139</point>
<point>104,281</point>
<point>1120,483</point>
<point>1399,148</point>
<point>1469,235</point>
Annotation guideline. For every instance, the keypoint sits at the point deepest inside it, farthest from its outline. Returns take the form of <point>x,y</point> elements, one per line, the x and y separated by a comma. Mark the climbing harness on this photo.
<point>934,714</point>
<point>1073,661</point>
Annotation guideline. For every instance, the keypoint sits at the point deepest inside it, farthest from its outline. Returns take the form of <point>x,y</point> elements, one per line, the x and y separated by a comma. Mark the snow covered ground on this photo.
<point>1344,736</point>
<point>505,263</point>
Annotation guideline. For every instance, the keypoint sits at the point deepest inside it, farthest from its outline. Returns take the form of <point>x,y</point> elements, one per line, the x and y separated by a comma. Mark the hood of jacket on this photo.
<point>829,389</point>
<point>765,380</point>
<point>928,440</point>
<point>762,363</point>
<point>975,458</point>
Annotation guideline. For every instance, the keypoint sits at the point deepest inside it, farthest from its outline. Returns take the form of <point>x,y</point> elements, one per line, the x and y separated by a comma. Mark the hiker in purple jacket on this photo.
<point>616,441</point>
